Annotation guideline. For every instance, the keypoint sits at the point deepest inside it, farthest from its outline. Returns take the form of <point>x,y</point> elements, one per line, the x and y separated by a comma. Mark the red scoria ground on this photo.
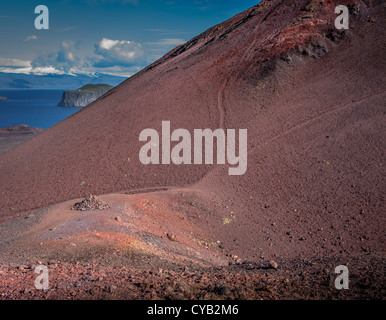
<point>313,101</point>
<point>297,279</point>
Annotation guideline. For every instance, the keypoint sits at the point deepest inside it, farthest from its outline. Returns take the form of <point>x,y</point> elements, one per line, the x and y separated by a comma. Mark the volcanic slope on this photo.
<point>313,101</point>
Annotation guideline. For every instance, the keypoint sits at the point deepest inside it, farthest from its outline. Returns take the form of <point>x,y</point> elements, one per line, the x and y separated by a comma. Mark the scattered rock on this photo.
<point>171,236</point>
<point>221,290</point>
<point>273,264</point>
<point>111,288</point>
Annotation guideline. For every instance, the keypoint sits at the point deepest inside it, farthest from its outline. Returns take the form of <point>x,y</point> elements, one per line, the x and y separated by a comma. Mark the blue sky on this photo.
<point>117,37</point>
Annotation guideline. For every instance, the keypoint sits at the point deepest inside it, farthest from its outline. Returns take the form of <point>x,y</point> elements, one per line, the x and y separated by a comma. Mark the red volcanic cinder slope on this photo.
<point>312,98</point>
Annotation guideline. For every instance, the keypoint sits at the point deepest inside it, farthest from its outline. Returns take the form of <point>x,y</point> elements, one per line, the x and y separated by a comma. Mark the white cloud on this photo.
<point>107,44</point>
<point>33,37</point>
<point>118,53</point>
<point>62,60</point>
<point>66,45</point>
<point>16,70</point>
<point>8,65</point>
<point>46,70</point>
<point>111,56</point>
<point>70,56</point>
<point>10,62</point>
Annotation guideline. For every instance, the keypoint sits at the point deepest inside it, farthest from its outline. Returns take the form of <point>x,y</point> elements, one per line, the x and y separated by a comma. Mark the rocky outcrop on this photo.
<point>84,95</point>
<point>12,136</point>
<point>3,98</point>
<point>20,129</point>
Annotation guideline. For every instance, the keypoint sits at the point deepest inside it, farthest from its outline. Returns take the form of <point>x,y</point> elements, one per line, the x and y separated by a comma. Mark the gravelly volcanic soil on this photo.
<point>140,248</point>
<point>297,279</point>
<point>313,101</point>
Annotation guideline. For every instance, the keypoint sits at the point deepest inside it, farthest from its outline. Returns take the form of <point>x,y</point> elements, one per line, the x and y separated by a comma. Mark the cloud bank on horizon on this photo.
<point>117,37</point>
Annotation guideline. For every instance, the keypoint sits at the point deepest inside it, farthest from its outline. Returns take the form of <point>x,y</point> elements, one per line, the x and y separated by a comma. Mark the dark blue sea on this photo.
<point>36,108</point>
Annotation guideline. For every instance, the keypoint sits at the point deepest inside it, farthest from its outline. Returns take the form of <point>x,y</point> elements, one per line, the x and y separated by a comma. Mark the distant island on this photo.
<point>84,95</point>
<point>3,98</point>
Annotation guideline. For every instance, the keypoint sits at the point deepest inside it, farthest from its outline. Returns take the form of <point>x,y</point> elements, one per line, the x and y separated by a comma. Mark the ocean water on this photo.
<point>36,108</point>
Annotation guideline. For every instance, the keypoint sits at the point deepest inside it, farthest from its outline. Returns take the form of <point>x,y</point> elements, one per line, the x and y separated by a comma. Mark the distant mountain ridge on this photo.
<point>55,81</point>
